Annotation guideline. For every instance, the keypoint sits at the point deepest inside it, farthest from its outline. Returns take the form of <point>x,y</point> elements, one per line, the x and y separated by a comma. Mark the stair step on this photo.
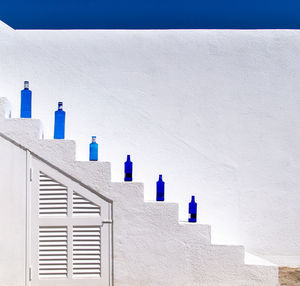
<point>162,211</point>
<point>56,150</point>
<point>195,233</point>
<point>129,194</point>
<point>96,173</point>
<point>260,275</point>
<point>228,254</point>
<point>220,274</point>
<point>23,131</point>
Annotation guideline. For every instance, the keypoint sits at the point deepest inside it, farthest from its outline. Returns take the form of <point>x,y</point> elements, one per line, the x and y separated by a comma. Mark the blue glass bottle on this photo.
<point>93,150</point>
<point>59,124</point>
<point>128,170</point>
<point>160,189</point>
<point>26,101</point>
<point>193,210</point>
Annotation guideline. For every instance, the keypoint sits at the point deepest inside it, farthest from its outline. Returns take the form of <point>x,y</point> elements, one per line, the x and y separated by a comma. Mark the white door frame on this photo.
<point>34,221</point>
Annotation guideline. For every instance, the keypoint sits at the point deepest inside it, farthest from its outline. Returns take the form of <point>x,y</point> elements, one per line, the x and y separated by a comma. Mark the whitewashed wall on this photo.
<point>216,112</point>
<point>146,237</point>
<point>12,214</point>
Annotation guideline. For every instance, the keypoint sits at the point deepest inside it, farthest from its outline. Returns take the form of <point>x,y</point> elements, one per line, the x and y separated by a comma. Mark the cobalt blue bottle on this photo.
<point>128,170</point>
<point>193,210</point>
<point>93,150</point>
<point>160,189</point>
<point>59,124</point>
<point>26,101</point>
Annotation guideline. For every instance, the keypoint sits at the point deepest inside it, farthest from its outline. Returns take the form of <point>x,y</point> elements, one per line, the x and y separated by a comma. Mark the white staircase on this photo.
<point>150,247</point>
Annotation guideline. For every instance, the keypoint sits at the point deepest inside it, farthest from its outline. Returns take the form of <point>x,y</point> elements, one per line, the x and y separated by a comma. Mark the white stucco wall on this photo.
<point>216,112</point>
<point>150,247</point>
<point>12,214</point>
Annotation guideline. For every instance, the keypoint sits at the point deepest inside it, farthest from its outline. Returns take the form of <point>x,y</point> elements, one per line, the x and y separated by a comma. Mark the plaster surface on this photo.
<point>216,112</point>
<point>12,214</point>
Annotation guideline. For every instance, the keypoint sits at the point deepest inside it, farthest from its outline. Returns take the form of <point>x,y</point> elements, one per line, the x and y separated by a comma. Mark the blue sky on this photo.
<point>151,14</point>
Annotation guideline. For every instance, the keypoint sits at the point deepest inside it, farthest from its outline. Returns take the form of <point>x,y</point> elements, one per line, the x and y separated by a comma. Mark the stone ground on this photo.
<point>289,276</point>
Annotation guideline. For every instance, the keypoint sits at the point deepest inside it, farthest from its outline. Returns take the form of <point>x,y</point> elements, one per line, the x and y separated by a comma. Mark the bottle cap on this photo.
<point>94,138</point>
<point>60,105</point>
<point>26,84</point>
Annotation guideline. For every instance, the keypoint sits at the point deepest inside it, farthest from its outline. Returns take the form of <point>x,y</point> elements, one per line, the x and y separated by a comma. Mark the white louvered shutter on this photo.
<point>70,235</point>
<point>53,251</point>
<point>86,251</point>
